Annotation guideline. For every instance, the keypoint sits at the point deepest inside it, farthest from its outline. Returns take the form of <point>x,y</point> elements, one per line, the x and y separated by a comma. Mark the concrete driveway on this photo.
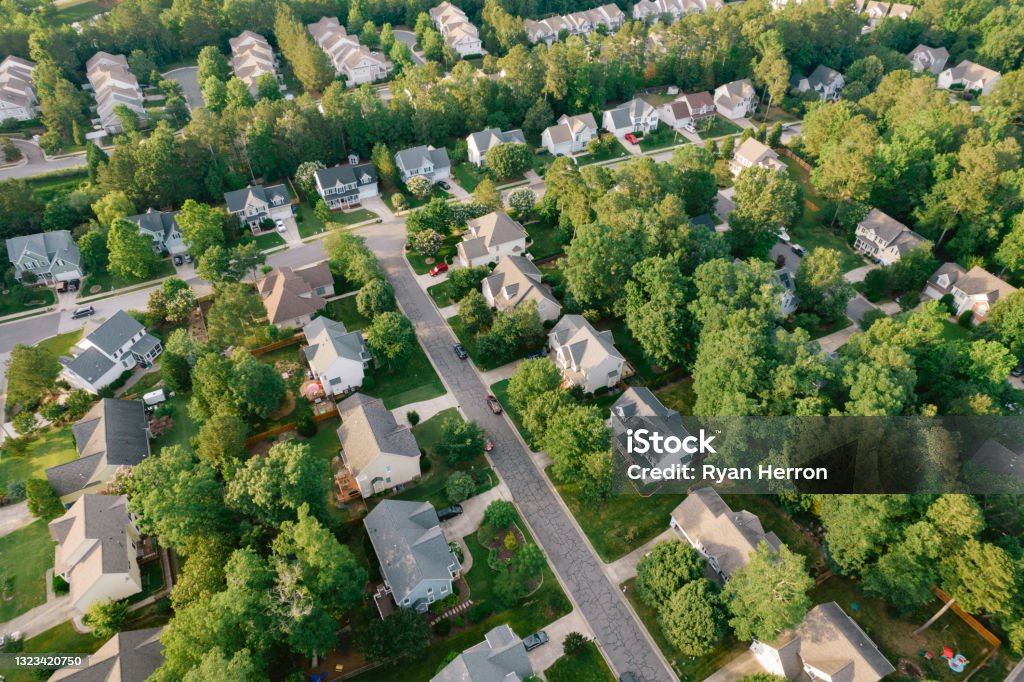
<point>291,234</point>
<point>741,666</point>
<point>858,274</point>
<point>188,78</point>
<point>545,655</point>
<point>14,517</point>
<point>473,512</point>
<point>724,204</point>
<point>857,307</point>
<point>834,341</point>
<point>791,131</point>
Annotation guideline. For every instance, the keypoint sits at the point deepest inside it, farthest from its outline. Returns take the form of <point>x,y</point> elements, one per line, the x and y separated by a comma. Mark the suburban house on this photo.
<point>251,57</point>
<point>993,459</point>
<point>501,657</point>
<point>639,408</point>
<point>751,153</point>
<point>788,301</point>
<point>17,92</point>
<point>51,256</point>
<point>587,357</point>
<point>456,29</point>
<point>883,238</point>
<point>416,562</point>
<point>130,656</point>
<point>489,238</point>
<point>113,84</point>
<point>345,186</point>
<point>826,645</point>
<point>337,357</point>
<point>969,76</point>
<point>113,435</point>
<point>578,23</point>
<point>358,63</point>
<point>724,537</point>
<point>291,297</point>
<point>425,160</point>
<point>256,203</point>
<point>516,280</point>
<point>901,11</point>
<point>570,135</point>
<point>671,11</point>
<point>96,550</point>
<point>976,289</point>
<point>875,12</point>
<point>924,58</point>
<point>162,228</point>
<point>478,144</point>
<point>109,350</point>
<point>378,452</point>
<point>688,110</point>
<point>735,99</point>
<point>634,116</point>
<point>828,83</point>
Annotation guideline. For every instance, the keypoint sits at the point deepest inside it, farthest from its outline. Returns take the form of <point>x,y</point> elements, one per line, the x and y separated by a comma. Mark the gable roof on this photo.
<point>156,223</point>
<point>630,113</point>
<point>730,537</point>
<point>492,137</point>
<point>514,280</point>
<point>568,126</point>
<point>583,345</point>
<point>639,408</point>
<point>328,341</point>
<point>419,157</point>
<point>971,72</point>
<point>934,58</point>
<point>113,334</point>
<point>823,76</point>
<point>978,281</point>
<point>999,460</point>
<point>16,81</point>
<point>236,200</point>
<point>733,92</point>
<point>758,154</point>
<point>131,656</point>
<point>501,657</point>
<point>288,294</point>
<point>360,175</point>
<point>890,231</point>
<point>368,430</point>
<point>54,245</point>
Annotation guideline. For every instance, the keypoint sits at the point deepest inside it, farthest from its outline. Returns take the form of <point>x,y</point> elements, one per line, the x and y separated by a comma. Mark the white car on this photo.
<point>798,250</point>
<point>784,236</point>
<point>280,225</point>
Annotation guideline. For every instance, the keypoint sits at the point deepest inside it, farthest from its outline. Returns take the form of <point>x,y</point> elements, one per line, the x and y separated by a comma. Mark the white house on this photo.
<point>345,186</point>
<point>828,83</point>
<point>97,550</point>
<point>456,29</point>
<point>500,657</point>
<point>751,153</point>
<point>638,408</point>
<point>883,238</point>
<point>516,280</point>
<point>587,357</point>
<point>17,93</point>
<point>688,111</point>
<point>491,237</point>
<point>736,99</point>
<point>378,452</point>
<point>976,289</point>
<point>478,144</point>
<point>51,256</point>
<point>251,57</point>
<point>828,646</point>
<point>358,63</point>
<point>424,160</point>
<point>671,11</point>
<point>634,116</point>
<point>104,354</point>
<point>925,58</point>
<point>570,135</point>
<point>578,23</point>
<point>416,562</point>
<point>972,77</point>
<point>113,84</point>
<point>337,357</point>
<point>162,228</point>
<point>256,203</point>
<point>788,301</point>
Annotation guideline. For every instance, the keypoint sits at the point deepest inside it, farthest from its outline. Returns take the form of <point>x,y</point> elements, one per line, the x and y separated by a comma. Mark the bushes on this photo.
<point>870,317</point>
<point>500,514</point>
<point>443,626</point>
<point>306,426</point>
<point>479,612</point>
<point>43,501</point>
<point>16,491</point>
<point>413,416</point>
<point>60,586</point>
<point>460,486</point>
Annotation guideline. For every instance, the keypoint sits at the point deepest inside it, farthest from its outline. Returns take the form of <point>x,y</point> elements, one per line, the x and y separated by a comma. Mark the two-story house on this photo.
<point>490,238</point>
<point>97,550</point>
<point>883,238</point>
<point>478,144</point>
<point>346,186</point>
<point>827,82</point>
<point>925,58</point>
<point>753,154</point>
<point>292,297</point>
<point>456,29</point>
<point>638,408</point>
<point>425,160</point>
<point>256,203</point>
<point>251,57</point>
<point>358,63</point>
<point>515,281</point>
<point>736,99</point>
<point>416,563</point>
<point>162,228</point>
<point>634,116</point>
<point>969,76</point>
<point>610,17</point>
<point>337,357</point>
<point>500,657</point>
<point>17,93</point>
<point>114,84</point>
<point>104,354</point>
<point>588,358</point>
<point>689,111</point>
<point>51,256</point>
<point>976,289</point>
<point>130,656</point>
<point>570,135</point>
<point>378,453</point>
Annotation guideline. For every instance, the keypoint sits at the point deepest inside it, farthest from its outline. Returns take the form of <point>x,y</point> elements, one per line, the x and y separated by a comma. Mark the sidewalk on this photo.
<point>425,409</point>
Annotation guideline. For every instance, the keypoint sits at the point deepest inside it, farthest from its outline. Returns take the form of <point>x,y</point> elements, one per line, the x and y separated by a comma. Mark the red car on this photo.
<point>493,403</point>
<point>632,139</point>
<point>438,269</point>
<point>488,446</point>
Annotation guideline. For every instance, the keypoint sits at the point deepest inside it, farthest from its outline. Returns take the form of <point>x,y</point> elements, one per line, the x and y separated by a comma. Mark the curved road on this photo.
<point>618,633</point>
<point>37,163</point>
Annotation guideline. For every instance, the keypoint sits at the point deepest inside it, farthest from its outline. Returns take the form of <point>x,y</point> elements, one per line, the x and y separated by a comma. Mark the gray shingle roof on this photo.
<point>274,195</point>
<point>50,245</point>
<point>630,113</point>
<point>418,157</point>
<point>639,408</point>
<point>369,429</point>
<point>156,223</point>
<point>90,365</point>
<point>496,659</point>
<point>329,340</point>
<point>115,332</point>
<point>891,231</point>
<point>126,657</point>
<point>360,175</point>
<point>822,76</point>
<point>492,137</point>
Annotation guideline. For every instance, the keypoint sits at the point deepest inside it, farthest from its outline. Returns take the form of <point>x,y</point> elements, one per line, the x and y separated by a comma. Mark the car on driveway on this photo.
<point>798,250</point>
<point>177,260</point>
<point>73,284</point>
<point>1018,371</point>
<point>493,403</point>
<point>280,225</point>
<point>438,269</point>
<point>533,641</point>
<point>460,351</point>
<point>632,139</point>
<point>449,512</point>
<point>784,236</point>
<point>444,185</point>
<point>188,257</point>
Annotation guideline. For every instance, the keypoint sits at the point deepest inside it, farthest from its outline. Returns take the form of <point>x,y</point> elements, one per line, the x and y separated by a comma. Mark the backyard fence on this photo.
<point>969,619</point>
<point>283,343</point>
<point>800,162</point>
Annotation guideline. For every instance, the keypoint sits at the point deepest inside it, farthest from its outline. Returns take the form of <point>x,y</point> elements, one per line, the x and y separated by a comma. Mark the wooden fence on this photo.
<point>969,619</point>
<point>800,162</point>
<point>290,426</point>
<point>283,343</point>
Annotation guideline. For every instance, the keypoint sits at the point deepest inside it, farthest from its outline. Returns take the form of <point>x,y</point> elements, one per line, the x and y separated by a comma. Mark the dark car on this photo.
<point>444,185</point>
<point>449,512</point>
<point>1018,371</point>
<point>493,403</point>
<point>535,355</point>
<point>460,351</point>
<point>84,311</point>
<point>73,284</point>
<point>177,260</point>
<point>535,640</point>
<point>627,677</point>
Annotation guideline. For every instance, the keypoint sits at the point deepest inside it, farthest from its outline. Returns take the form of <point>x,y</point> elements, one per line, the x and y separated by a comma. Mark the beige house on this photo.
<point>570,134</point>
<point>251,57</point>
<point>884,238</point>
<point>490,238</point>
<point>358,63</point>
<point>925,58</point>
<point>114,84</point>
<point>516,280</point>
<point>131,656</point>
<point>736,99</point>
<point>976,289</point>
<point>378,452</point>
<point>17,91</point>
<point>97,550</point>
<point>970,76</point>
<point>456,29</point>
<point>292,296</point>
<point>587,357</point>
<point>751,154</point>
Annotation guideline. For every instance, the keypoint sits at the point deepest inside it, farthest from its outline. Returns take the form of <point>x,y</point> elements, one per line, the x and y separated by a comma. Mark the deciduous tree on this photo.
<point>665,569</point>
<point>692,618</point>
<point>768,594</point>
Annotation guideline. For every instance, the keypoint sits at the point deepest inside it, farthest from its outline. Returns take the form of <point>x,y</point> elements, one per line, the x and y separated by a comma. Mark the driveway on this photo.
<point>473,512</point>
<point>741,666</point>
<point>790,131</point>
<point>545,655</point>
<point>41,618</point>
<point>790,259</point>
<point>291,232</point>
<point>724,204</point>
<point>834,341</point>
<point>621,570</point>
<point>14,517</point>
<point>456,190</point>
<point>626,643</point>
<point>858,274</point>
<point>188,78</point>
<point>857,307</point>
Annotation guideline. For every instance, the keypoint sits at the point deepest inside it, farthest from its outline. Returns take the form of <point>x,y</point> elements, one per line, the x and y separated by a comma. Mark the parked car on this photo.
<point>449,512</point>
<point>627,677</point>
<point>443,185</point>
<point>1018,371</point>
<point>533,641</point>
<point>632,139</point>
<point>784,236</point>
<point>178,260</point>
<point>280,225</point>
<point>73,284</point>
<point>488,446</point>
<point>798,250</point>
<point>188,257</point>
<point>438,269</point>
<point>493,403</point>
<point>84,311</point>
<point>460,351</point>
<point>535,355</point>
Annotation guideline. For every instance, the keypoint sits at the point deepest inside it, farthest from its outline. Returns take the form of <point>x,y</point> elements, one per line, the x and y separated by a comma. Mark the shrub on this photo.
<point>500,514</point>
<point>368,383</point>
<point>16,490</point>
<point>510,541</point>
<point>909,300</point>
<point>949,303</point>
<point>456,549</point>
<point>459,621</point>
<point>43,501</point>
<point>306,426</point>
<point>870,317</point>
<point>460,486</point>
<point>451,600</point>
<point>60,586</point>
<point>966,318</point>
<point>574,641</point>
<point>413,416</point>
<point>479,612</point>
<point>876,284</point>
<point>442,627</point>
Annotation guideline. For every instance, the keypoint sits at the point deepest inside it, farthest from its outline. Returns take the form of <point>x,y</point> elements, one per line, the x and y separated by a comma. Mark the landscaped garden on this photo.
<point>585,665</point>
<point>421,264</point>
<point>23,299</point>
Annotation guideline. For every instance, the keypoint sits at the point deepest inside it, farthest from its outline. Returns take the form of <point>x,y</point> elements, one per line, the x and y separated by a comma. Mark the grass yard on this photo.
<point>60,639</point>
<point>623,523</point>
<point>776,114</point>
<point>541,162</point>
<point>34,298</point>
<point>312,225</point>
<point>45,450</point>
<point>441,294</point>
<point>545,243</point>
<point>344,310</point>
<point>419,262</point>
<point>25,555</point>
<point>48,186</point>
<point>468,176</point>
<point>586,665</point>
<point>720,128</point>
<point>70,13</point>
<point>644,366</point>
<point>413,382</point>
<point>61,343</point>
<point>951,331</point>
<point>325,443</point>
<point>99,282</point>
<point>268,240</point>
<point>679,397</point>
<point>688,668</point>
<point>664,136</point>
<point>656,99</point>
<point>184,429</point>
<point>152,581</point>
<point>615,151</point>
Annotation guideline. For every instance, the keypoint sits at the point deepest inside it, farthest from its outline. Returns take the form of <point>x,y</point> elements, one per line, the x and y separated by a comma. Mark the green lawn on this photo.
<point>617,151</point>
<point>61,344</point>
<point>413,382</point>
<point>69,14</point>
<point>679,397</point>
<point>586,665</point>
<point>719,128</point>
<point>951,331</point>
<point>184,429</point>
<point>644,366</point>
<point>545,240</point>
<point>269,240</point>
<point>419,263</point>
<point>325,443</point>
<point>34,298</point>
<point>106,281</point>
<point>311,223</point>
<point>62,639</point>
<point>48,186</point>
<point>664,136</point>
<point>45,450</point>
<point>25,555</point>
<point>541,162</point>
<point>344,310</point>
<point>468,175</point>
<point>441,293</point>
